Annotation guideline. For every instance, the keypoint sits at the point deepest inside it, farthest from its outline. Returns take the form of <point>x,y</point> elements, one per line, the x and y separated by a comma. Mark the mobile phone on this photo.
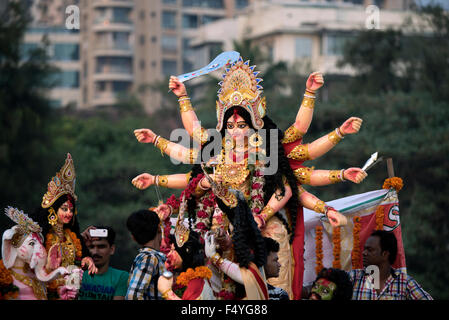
<point>98,233</point>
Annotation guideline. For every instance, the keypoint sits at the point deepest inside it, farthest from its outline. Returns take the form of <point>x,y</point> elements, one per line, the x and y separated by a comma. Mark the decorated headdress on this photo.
<point>25,225</point>
<point>240,87</point>
<point>62,183</point>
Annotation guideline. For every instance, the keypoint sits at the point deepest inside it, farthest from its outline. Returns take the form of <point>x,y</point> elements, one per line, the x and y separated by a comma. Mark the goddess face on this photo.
<point>323,289</point>
<point>65,212</point>
<point>236,127</point>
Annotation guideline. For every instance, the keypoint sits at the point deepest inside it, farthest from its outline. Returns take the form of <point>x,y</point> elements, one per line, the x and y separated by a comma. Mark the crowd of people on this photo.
<point>236,231</point>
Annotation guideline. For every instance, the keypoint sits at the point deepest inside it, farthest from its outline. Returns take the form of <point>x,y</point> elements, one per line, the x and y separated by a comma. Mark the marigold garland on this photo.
<point>319,248</point>
<point>201,272</point>
<point>7,289</point>
<point>379,218</point>
<point>336,241</point>
<point>394,182</point>
<point>356,243</point>
<point>51,240</point>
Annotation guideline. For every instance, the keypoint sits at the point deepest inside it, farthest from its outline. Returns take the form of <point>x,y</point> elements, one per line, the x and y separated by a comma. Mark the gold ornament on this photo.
<point>37,287</point>
<point>185,104</point>
<point>200,134</point>
<point>319,207</point>
<point>255,140</point>
<point>300,153</point>
<point>334,137</point>
<point>25,225</point>
<point>240,87</point>
<point>62,183</point>
<point>162,144</point>
<point>292,134</point>
<point>335,176</point>
<point>267,212</point>
<point>52,217</point>
<point>303,174</point>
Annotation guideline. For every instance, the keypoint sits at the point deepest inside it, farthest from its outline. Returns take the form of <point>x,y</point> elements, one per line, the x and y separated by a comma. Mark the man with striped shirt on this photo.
<point>149,263</point>
<point>379,253</point>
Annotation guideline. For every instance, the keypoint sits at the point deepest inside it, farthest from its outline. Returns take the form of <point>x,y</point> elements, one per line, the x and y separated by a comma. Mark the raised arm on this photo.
<point>173,150</point>
<point>320,146</point>
<point>305,112</point>
<point>188,116</point>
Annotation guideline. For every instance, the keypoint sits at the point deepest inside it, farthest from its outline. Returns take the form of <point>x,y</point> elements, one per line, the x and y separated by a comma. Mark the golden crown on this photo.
<point>25,225</point>
<point>240,87</point>
<point>62,183</point>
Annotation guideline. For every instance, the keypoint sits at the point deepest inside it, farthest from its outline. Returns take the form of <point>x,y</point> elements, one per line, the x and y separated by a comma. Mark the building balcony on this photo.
<point>113,25</point>
<point>104,98</point>
<point>113,50</point>
<point>113,3</point>
<point>113,76</point>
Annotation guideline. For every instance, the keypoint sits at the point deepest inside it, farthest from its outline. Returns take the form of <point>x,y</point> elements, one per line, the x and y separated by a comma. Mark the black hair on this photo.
<point>388,243</point>
<point>111,234</point>
<point>342,281</point>
<point>249,245</point>
<point>143,225</point>
<point>192,252</point>
<point>271,245</point>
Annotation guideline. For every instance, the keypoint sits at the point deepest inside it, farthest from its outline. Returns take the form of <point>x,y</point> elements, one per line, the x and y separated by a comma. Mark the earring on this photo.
<point>255,140</point>
<point>52,218</point>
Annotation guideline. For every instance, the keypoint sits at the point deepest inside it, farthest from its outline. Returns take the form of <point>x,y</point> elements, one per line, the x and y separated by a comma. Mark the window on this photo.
<point>114,65</point>
<point>66,79</point>
<point>240,4</point>
<point>209,19</point>
<point>168,20</point>
<point>169,67</point>
<point>169,1</point>
<point>216,4</point>
<point>189,21</point>
<point>120,86</point>
<point>335,43</point>
<point>303,47</point>
<point>169,43</point>
<point>121,15</point>
<point>66,52</point>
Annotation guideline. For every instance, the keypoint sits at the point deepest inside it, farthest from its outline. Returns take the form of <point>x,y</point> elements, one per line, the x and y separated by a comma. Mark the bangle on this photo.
<point>307,96</point>
<point>342,174</point>
<point>267,212</point>
<point>335,176</point>
<point>338,131</point>
<point>303,174</point>
<point>334,137</point>
<point>310,91</point>
<point>162,144</point>
<point>216,259</point>
<point>320,207</point>
<point>165,294</point>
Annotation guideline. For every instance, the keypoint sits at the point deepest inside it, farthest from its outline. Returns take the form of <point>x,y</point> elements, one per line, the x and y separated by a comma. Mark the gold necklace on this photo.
<point>233,174</point>
<point>34,284</point>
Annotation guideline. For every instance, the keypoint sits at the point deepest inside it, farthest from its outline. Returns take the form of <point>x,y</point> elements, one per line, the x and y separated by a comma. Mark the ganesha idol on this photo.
<point>23,274</point>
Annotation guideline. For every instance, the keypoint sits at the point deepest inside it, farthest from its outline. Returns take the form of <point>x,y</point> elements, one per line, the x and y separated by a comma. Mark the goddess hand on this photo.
<point>336,219</point>
<point>164,284</point>
<point>209,245</point>
<point>145,135</point>
<point>143,181</point>
<point>54,257</point>
<point>178,88</point>
<point>315,81</point>
<point>355,175</point>
<point>67,293</point>
<point>91,268</point>
<point>163,211</point>
<point>351,126</point>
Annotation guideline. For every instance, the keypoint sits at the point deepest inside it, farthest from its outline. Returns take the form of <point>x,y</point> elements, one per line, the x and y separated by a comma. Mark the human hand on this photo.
<point>163,211</point>
<point>87,237</point>
<point>355,175</point>
<point>336,219</point>
<point>143,181</point>
<point>67,293</point>
<point>91,268</point>
<point>209,245</point>
<point>145,135</point>
<point>178,88</point>
<point>351,126</point>
<point>315,81</point>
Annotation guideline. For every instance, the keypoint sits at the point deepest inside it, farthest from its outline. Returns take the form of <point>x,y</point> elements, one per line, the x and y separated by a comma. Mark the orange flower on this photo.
<point>199,272</point>
<point>395,183</point>
<point>5,276</point>
<point>379,218</point>
<point>319,248</point>
<point>356,243</point>
<point>336,247</point>
<point>77,243</point>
